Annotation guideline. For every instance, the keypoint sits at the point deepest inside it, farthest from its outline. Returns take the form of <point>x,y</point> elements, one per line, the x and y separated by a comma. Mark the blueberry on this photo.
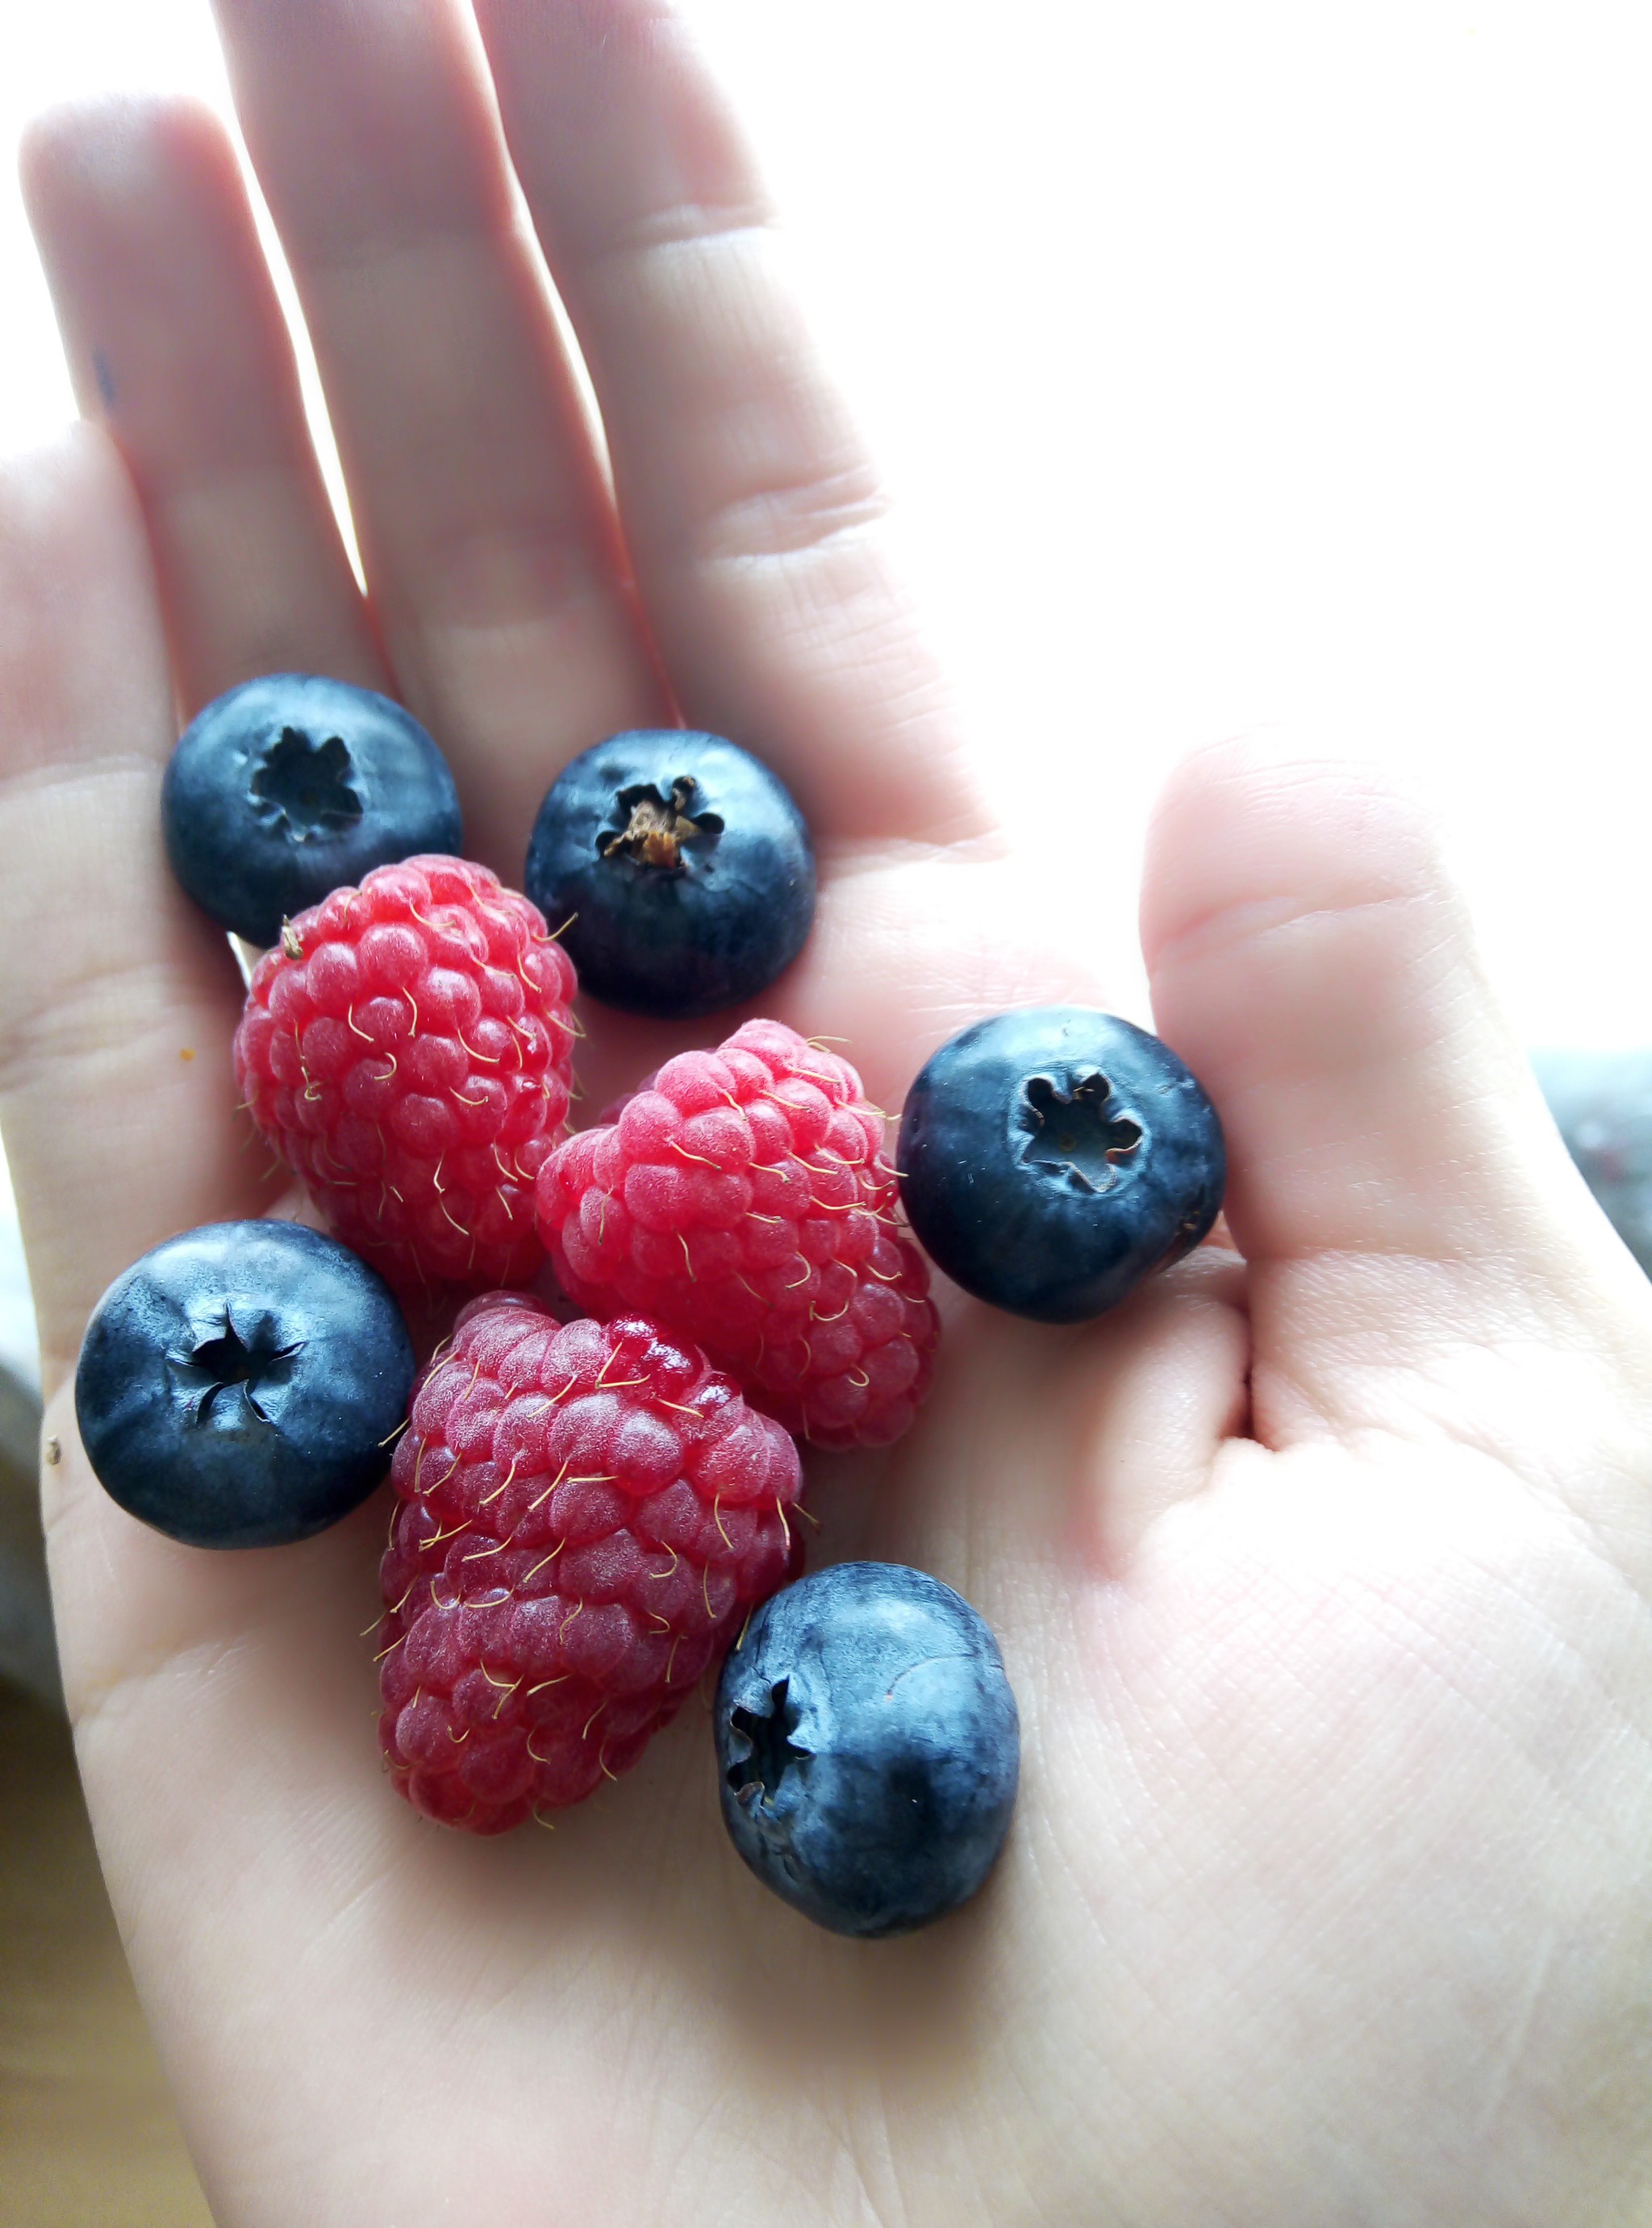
<point>868,1747</point>
<point>238,1385</point>
<point>685,866</point>
<point>292,786</point>
<point>1053,1158</point>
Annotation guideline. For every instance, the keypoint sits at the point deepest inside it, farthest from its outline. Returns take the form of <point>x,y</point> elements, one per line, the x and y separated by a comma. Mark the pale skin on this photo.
<point>1323,1576</point>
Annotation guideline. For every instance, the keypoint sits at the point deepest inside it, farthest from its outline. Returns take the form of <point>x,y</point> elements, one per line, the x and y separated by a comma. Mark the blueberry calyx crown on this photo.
<point>655,829</point>
<point>1073,1134</point>
<point>305,788</point>
<point>682,867</point>
<point>1052,1157</point>
<point>292,786</point>
<point>770,1749</point>
<point>223,1361</point>
<point>895,1810</point>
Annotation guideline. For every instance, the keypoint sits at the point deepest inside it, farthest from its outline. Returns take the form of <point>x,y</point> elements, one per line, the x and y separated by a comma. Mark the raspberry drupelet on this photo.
<point>407,1048</point>
<point>742,1199</point>
<point>587,1515</point>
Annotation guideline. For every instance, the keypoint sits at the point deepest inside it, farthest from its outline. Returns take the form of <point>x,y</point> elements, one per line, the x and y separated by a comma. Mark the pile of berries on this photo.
<point>596,1471</point>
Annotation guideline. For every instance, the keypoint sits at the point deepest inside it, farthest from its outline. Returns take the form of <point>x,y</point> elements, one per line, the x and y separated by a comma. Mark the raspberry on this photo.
<point>588,1514</point>
<point>743,1200</point>
<point>406,1049</point>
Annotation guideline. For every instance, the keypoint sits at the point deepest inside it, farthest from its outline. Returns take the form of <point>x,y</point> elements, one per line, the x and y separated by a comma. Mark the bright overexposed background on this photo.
<point>1234,364</point>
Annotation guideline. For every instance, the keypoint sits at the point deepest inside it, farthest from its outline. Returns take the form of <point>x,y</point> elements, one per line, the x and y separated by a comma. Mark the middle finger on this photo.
<point>487,535</point>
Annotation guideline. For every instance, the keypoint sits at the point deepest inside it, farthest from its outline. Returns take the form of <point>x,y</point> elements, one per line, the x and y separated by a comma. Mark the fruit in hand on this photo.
<point>742,1199</point>
<point>294,785</point>
<point>1051,1157</point>
<point>587,1515</point>
<point>239,1384</point>
<point>406,1049</point>
<point>682,867</point>
<point>868,1747</point>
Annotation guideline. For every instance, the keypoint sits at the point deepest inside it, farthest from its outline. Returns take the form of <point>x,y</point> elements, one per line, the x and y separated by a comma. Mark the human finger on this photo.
<point>116,1000</point>
<point>752,513</point>
<point>486,532</point>
<point>176,343</point>
<point>1396,1186</point>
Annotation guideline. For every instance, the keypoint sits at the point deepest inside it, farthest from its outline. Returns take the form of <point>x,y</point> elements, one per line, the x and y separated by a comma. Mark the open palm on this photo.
<point>1324,1579</point>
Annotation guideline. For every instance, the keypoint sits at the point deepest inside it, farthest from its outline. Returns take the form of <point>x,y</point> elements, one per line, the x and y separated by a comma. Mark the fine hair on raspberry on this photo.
<point>742,1199</point>
<point>588,1513</point>
<point>407,1048</point>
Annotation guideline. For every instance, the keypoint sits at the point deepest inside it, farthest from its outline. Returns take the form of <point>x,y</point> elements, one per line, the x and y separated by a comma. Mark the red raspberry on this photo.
<point>407,1048</point>
<point>588,1514</point>
<point>742,1199</point>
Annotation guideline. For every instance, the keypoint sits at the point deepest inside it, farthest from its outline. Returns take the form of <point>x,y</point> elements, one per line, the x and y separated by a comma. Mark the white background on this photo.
<point>1235,361</point>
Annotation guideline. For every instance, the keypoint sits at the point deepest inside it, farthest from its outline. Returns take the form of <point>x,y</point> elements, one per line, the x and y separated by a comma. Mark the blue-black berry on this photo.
<point>239,1384</point>
<point>293,785</point>
<point>686,868</point>
<point>1051,1157</point>
<point>868,1747</point>
<point>1602,1104</point>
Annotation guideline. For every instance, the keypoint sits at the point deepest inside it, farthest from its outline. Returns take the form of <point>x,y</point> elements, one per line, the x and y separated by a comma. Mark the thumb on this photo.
<point>1396,1186</point>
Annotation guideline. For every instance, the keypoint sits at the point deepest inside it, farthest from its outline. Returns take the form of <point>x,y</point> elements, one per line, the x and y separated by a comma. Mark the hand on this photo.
<point>1324,1580</point>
